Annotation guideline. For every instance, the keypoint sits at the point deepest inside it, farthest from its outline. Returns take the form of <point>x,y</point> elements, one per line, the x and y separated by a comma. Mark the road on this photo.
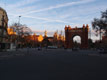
<point>56,64</point>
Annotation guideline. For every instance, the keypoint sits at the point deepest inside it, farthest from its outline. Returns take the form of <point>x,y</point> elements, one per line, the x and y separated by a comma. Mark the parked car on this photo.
<point>75,49</point>
<point>39,48</point>
<point>103,51</point>
<point>52,47</point>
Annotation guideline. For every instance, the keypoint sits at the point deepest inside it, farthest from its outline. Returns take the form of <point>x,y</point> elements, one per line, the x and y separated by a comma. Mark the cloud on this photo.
<point>27,10</point>
<point>23,10</point>
<point>61,5</point>
<point>41,32</point>
<point>20,6</point>
<point>49,32</point>
<point>21,3</point>
<point>48,20</point>
<point>41,18</point>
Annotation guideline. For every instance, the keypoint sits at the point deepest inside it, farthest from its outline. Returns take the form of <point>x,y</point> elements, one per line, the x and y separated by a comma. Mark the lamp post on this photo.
<point>19,20</point>
<point>18,32</point>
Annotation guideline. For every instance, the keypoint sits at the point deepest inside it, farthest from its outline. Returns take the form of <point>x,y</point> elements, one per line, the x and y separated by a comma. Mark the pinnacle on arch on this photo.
<point>83,25</point>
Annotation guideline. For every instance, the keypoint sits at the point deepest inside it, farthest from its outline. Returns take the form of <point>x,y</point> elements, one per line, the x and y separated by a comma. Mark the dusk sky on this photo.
<point>52,15</point>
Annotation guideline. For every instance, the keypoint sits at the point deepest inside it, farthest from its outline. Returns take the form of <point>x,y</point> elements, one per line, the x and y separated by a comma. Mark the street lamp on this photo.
<point>18,31</point>
<point>19,19</point>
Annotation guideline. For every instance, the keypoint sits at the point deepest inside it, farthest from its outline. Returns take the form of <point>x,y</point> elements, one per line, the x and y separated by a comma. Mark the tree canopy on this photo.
<point>100,24</point>
<point>21,29</point>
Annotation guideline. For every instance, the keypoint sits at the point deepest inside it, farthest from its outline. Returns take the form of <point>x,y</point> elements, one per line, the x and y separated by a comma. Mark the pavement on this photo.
<point>53,64</point>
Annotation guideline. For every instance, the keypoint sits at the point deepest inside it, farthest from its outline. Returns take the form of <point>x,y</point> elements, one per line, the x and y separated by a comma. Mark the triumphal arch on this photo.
<point>70,33</point>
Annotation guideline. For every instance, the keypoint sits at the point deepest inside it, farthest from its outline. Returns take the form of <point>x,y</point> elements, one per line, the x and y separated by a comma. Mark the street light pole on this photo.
<point>18,32</point>
<point>19,20</point>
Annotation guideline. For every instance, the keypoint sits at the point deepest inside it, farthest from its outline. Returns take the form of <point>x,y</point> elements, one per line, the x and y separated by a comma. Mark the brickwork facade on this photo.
<point>70,33</point>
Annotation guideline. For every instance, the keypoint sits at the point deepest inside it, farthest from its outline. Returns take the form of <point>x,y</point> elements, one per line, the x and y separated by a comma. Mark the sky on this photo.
<point>52,15</point>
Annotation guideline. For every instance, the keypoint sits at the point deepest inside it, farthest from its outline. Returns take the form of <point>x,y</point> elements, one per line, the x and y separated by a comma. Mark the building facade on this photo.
<point>3,29</point>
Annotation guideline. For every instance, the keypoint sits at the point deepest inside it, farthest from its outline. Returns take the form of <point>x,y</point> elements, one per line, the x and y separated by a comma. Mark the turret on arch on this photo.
<point>72,32</point>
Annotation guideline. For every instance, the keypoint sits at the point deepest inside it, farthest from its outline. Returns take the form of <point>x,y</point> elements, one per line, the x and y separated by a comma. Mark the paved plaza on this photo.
<point>53,64</point>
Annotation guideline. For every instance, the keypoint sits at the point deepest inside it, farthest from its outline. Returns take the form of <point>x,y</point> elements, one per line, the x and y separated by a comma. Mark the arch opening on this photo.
<point>76,41</point>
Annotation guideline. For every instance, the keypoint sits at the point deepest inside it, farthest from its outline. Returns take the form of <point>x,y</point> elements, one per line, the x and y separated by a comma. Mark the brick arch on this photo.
<point>71,32</point>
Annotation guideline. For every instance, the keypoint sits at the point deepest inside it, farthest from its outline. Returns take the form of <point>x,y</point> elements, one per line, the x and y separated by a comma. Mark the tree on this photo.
<point>90,43</point>
<point>100,24</point>
<point>21,29</point>
<point>21,32</point>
